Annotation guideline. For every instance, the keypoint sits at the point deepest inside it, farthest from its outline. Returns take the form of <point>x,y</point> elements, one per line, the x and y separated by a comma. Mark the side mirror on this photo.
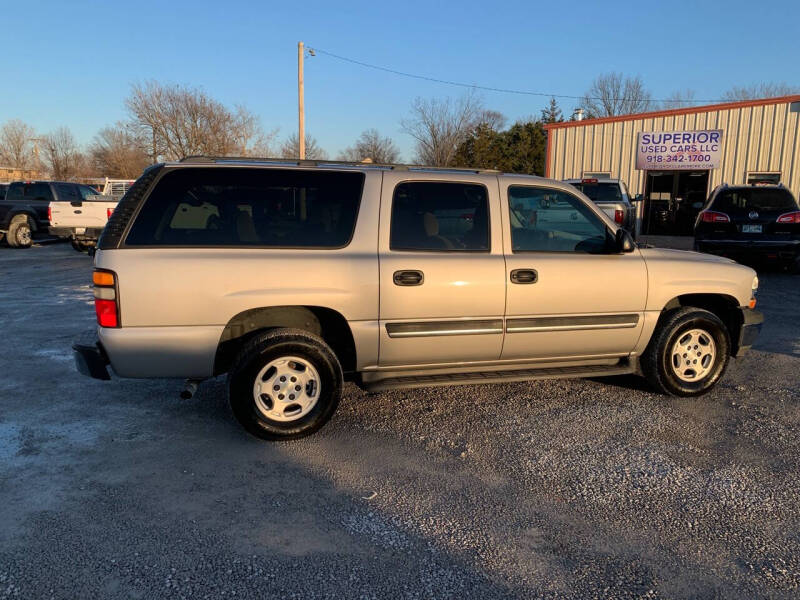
<point>637,198</point>
<point>624,241</point>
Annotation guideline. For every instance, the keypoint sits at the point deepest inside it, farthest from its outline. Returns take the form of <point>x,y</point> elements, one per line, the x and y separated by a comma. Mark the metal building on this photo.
<point>674,158</point>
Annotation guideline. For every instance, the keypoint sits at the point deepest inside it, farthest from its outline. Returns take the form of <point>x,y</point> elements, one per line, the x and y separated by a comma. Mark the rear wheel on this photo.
<point>688,353</point>
<point>19,232</point>
<point>78,246</point>
<point>285,384</point>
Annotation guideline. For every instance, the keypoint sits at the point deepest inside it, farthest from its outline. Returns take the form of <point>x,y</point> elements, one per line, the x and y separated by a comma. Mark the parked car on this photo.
<point>25,210</point>
<point>751,222</point>
<point>81,220</point>
<point>292,278</point>
<point>612,196</point>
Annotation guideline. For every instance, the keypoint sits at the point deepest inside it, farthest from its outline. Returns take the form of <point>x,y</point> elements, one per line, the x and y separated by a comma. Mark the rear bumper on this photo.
<point>751,327</point>
<point>67,232</point>
<point>90,358</point>
<point>785,249</point>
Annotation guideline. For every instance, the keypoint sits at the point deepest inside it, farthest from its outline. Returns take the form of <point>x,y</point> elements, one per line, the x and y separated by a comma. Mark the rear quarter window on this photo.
<point>229,207</point>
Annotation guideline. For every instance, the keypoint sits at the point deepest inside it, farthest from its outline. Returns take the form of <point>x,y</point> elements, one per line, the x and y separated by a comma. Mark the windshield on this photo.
<point>760,199</point>
<point>601,192</point>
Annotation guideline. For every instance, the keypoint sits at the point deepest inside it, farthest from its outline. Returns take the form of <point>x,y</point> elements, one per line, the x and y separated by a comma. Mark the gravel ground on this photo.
<point>554,489</point>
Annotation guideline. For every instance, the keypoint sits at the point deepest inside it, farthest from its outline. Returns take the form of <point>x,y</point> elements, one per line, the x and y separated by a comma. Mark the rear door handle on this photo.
<point>408,278</point>
<point>524,276</point>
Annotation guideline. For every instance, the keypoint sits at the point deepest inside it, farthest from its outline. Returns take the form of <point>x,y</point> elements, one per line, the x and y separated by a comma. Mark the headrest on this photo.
<point>431,224</point>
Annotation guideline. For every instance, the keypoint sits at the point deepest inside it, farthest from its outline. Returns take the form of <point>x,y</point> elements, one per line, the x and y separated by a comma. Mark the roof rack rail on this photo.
<point>326,163</point>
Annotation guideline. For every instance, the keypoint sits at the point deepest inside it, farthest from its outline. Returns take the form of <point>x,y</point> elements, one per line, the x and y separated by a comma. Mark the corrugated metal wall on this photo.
<point>755,138</point>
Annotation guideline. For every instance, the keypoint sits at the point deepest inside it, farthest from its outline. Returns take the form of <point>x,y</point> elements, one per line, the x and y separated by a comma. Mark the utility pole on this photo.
<point>301,109</point>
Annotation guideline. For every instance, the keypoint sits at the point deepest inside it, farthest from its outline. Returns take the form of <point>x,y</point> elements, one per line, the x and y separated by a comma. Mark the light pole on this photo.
<point>301,109</point>
<point>301,105</point>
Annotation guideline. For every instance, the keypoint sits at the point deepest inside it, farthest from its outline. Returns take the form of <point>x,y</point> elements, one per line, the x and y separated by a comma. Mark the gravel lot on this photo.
<point>554,489</point>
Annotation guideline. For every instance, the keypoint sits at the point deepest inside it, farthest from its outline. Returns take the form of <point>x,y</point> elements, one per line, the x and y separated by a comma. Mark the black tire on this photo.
<point>19,232</point>
<point>78,246</point>
<point>656,361</point>
<point>258,353</point>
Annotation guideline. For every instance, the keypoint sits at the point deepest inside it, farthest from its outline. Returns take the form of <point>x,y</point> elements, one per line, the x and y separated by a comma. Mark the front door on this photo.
<point>442,270</point>
<point>570,295</point>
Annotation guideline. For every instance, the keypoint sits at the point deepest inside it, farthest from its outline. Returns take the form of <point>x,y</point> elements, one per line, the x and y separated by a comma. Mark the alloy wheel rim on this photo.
<point>286,389</point>
<point>693,355</point>
<point>24,235</point>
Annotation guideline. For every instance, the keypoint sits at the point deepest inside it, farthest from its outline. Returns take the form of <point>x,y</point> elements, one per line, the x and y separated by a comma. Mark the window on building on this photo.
<point>596,175</point>
<point>432,216</point>
<point>768,178</point>
<point>547,220</point>
<point>250,207</point>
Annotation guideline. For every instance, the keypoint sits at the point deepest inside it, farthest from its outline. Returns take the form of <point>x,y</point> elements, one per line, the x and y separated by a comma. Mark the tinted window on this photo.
<point>3,189</point>
<point>67,192</point>
<point>601,192</point>
<point>546,220</point>
<point>755,198</point>
<point>29,191</point>
<point>249,207</point>
<point>87,193</point>
<point>440,216</point>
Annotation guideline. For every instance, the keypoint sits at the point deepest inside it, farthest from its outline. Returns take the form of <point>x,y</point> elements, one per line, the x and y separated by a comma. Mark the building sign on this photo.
<point>679,150</point>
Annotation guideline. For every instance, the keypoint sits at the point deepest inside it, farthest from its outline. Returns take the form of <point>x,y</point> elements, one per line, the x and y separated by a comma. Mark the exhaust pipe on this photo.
<point>190,388</point>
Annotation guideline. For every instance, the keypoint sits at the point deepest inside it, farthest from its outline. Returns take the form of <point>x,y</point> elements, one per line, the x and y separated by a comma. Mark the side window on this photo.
<point>39,191</point>
<point>274,208</point>
<point>67,192</point>
<point>440,216</point>
<point>548,220</point>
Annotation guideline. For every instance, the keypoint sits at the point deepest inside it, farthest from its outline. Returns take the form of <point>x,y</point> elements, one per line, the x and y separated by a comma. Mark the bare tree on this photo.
<point>16,147</point>
<point>440,126</point>
<point>120,151</point>
<point>291,148</point>
<point>760,90</point>
<point>679,99</point>
<point>181,121</point>
<point>61,154</point>
<point>370,145</point>
<point>614,94</point>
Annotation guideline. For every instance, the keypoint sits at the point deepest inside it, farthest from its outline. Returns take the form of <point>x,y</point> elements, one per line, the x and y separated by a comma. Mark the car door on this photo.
<point>442,270</point>
<point>570,294</point>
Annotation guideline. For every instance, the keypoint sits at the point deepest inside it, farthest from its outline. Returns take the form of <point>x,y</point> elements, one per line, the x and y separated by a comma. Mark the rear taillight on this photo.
<point>109,212</point>
<point>49,214</point>
<point>619,216</point>
<point>791,217</point>
<point>105,298</point>
<point>710,216</point>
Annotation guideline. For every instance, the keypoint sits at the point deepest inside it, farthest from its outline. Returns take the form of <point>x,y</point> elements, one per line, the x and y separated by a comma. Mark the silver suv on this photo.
<point>294,277</point>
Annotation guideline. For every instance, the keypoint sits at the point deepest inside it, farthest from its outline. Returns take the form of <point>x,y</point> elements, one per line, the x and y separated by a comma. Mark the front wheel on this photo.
<point>285,384</point>
<point>688,353</point>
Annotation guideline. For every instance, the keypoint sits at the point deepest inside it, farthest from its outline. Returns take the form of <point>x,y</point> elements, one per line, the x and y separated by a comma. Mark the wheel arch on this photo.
<point>724,306</point>
<point>24,213</point>
<point>325,322</point>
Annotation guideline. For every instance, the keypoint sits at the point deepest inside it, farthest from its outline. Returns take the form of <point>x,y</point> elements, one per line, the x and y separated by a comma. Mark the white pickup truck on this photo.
<point>82,219</point>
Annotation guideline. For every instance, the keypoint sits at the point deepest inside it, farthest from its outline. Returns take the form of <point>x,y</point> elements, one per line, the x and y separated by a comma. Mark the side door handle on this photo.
<point>524,276</point>
<point>408,278</point>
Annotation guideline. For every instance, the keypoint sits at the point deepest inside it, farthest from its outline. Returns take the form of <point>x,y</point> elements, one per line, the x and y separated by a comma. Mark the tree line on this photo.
<point>170,122</point>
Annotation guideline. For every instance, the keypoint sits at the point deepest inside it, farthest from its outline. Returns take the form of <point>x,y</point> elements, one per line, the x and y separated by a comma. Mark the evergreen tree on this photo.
<point>552,114</point>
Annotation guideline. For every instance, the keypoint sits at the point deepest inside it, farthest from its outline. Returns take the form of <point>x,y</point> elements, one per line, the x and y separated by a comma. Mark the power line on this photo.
<point>486,87</point>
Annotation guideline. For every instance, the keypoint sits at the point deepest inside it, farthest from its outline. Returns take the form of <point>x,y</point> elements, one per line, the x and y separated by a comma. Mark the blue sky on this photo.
<point>72,63</point>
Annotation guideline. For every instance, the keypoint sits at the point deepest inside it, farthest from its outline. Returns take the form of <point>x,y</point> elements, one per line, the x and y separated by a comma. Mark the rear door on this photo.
<point>442,270</point>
